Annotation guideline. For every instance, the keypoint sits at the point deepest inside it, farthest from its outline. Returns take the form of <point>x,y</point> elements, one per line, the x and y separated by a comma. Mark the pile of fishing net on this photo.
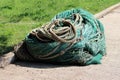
<point>71,37</point>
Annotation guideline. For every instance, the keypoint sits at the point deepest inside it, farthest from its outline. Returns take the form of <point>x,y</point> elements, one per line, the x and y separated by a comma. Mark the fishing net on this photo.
<point>71,37</point>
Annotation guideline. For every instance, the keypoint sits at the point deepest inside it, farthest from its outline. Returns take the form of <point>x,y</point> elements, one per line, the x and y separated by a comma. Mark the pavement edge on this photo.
<point>106,11</point>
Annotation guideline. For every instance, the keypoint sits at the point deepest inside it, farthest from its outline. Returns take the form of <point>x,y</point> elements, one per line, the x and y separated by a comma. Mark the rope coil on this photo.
<point>58,30</point>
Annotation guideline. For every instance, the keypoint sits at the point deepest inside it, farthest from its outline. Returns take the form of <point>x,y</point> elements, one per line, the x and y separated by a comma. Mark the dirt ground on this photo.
<point>108,70</point>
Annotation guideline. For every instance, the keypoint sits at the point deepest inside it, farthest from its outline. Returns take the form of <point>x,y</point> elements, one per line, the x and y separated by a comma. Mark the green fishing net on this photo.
<point>71,37</point>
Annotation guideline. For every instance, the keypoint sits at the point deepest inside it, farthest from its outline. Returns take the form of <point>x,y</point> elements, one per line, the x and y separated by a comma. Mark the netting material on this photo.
<point>72,37</point>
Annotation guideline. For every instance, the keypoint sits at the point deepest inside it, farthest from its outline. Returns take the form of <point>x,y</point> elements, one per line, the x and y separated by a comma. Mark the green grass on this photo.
<point>18,17</point>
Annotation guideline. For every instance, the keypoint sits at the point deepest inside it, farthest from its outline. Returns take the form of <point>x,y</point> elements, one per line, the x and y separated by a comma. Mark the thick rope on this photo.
<point>64,33</point>
<point>61,31</point>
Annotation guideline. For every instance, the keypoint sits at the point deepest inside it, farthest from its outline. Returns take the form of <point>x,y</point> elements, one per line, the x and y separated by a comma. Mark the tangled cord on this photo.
<point>60,30</point>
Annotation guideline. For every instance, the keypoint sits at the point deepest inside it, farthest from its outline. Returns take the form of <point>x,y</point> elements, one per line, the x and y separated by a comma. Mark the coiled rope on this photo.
<point>61,31</point>
<point>54,31</point>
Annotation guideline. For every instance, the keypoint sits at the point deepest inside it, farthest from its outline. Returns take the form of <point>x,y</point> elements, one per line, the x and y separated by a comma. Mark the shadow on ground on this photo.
<point>35,64</point>
<point>41,64</point>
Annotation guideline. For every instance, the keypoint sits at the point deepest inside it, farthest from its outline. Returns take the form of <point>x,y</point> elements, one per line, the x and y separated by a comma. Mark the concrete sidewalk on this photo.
<point>108,70</point>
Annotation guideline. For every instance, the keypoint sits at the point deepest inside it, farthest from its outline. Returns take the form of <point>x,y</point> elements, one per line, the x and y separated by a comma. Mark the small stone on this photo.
<point>6,59</point>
